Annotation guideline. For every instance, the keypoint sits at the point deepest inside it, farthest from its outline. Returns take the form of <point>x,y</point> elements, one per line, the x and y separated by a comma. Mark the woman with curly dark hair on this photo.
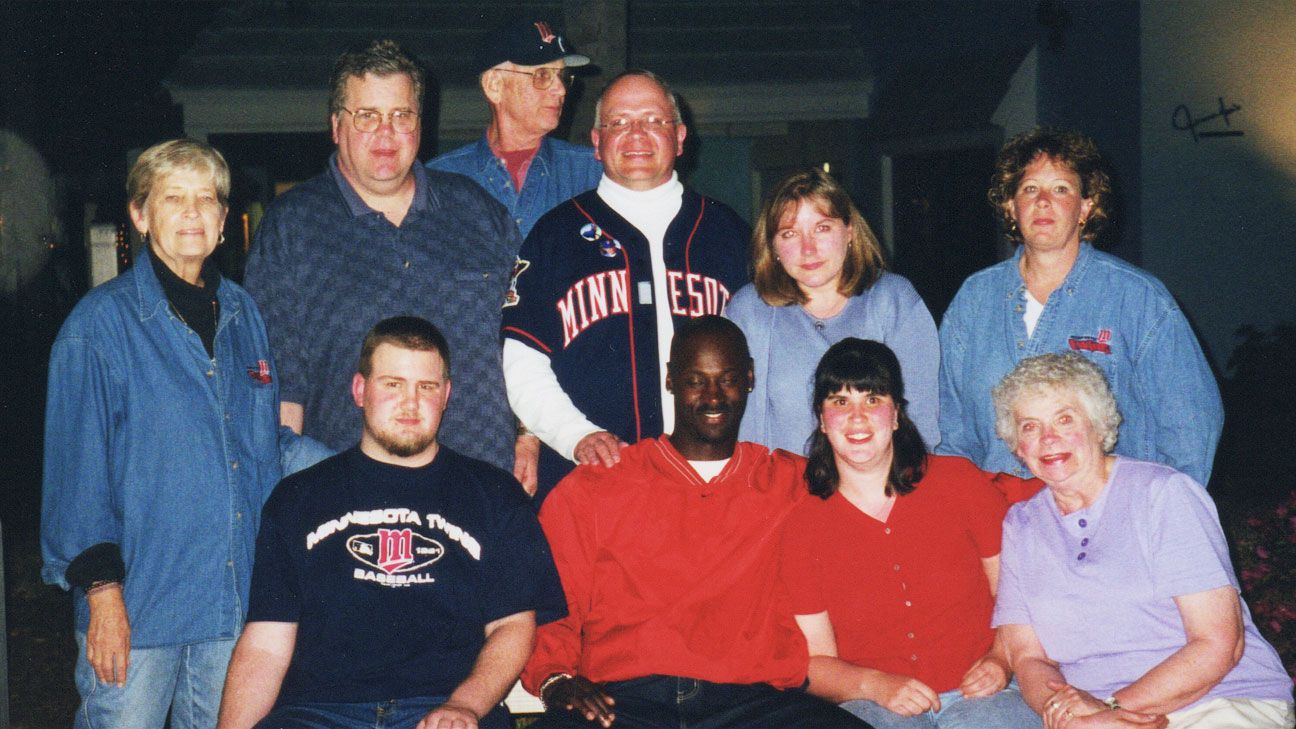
<point>1057,293</point>
<point>892,571</point>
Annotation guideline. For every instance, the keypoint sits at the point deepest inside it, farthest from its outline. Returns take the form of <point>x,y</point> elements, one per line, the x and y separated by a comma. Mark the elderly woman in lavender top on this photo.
<point>819,278</point>
<point>1117,602</point>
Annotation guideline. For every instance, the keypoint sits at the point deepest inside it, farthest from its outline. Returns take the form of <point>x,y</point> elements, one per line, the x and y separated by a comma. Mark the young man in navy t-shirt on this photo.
<point>398,580</point>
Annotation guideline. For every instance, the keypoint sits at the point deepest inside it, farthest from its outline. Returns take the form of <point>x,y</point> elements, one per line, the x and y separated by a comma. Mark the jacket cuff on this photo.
<point>534,675</point>
<point>100,563</point>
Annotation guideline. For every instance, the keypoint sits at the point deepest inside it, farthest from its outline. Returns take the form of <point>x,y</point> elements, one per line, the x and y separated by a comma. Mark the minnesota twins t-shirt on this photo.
<point>392,573</point>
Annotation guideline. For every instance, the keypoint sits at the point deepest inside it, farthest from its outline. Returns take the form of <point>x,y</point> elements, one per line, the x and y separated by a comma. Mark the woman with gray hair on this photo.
<point>1117,601</point>
<point>161,444</point>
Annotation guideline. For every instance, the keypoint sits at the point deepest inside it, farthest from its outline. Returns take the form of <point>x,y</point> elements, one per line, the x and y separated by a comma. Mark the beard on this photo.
<point>401,445</point>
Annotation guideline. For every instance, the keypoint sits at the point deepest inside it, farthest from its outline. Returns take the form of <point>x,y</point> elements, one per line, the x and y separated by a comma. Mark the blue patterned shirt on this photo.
<point>325,268</point>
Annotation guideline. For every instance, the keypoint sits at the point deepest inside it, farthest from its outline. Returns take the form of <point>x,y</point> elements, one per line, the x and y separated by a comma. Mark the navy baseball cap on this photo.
<point>527,43</point>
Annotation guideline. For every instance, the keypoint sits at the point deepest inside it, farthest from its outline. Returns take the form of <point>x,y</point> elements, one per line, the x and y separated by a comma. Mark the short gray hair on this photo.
<point>164,158</point>
<point>666,89</point>
<point>1066,371</point>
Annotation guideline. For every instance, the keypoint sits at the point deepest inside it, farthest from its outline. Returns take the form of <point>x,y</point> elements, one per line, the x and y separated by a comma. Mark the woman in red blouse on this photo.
<point>892,570</point>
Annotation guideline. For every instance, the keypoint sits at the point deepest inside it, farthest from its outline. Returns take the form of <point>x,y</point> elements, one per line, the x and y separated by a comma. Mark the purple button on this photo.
<point>1084,523</point>
<point>1084,542</point>
<point>1082,554</point>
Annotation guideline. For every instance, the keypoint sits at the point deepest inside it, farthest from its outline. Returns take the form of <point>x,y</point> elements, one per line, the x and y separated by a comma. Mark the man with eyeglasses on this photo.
<point>376,235</point>
<point>603,281</point>
<point>525,73</point>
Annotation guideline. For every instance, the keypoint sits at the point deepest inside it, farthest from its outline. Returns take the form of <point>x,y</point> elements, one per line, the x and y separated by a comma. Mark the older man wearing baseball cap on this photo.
<point>525,73</point>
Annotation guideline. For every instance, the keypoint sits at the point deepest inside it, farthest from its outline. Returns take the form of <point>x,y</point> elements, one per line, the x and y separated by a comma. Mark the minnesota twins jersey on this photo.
<point>582,293</point>
<point>392,573</point>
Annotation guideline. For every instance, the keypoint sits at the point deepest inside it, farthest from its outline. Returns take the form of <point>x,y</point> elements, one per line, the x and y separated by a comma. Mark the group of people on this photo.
<point>770,492</point>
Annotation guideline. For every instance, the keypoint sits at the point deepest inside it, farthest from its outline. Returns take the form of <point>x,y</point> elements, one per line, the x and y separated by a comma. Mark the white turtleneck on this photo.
<point>534,393</point>
<point>651,211</point>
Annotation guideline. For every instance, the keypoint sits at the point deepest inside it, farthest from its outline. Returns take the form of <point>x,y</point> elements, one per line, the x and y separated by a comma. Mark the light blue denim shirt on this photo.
<point>559,171</point>
<point>787,343</point>
<point>1116,315</point>
<point>154,446</point>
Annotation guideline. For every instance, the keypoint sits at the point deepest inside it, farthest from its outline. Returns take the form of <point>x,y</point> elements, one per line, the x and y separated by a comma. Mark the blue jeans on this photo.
<point>673,702</point>
<point>184,679</point>
<point>391,714</point>
<point>1003,710</point>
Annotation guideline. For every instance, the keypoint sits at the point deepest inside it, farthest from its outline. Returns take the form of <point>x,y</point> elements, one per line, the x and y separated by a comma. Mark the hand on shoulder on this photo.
<point>599,447</point>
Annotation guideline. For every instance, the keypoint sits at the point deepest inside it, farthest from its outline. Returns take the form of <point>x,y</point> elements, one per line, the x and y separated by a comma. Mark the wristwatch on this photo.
<point>551,680</point>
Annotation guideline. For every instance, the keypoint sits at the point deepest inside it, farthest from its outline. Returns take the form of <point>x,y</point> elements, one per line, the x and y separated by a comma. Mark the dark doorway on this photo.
<point>262,166</point>
<point>274,158</point>
<point>944,228</point>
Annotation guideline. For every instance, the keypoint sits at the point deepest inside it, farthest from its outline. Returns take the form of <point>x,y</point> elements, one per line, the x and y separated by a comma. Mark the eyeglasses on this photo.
<point>543,77</point>
<point>648,124</point>
<point>403,121</point>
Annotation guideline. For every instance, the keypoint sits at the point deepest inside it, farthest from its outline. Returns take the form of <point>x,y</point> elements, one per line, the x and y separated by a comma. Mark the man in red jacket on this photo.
<point>668,561</point>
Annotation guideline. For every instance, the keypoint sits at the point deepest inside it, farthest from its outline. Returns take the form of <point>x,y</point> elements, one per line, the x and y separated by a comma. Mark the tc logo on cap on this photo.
<point>546,33</point>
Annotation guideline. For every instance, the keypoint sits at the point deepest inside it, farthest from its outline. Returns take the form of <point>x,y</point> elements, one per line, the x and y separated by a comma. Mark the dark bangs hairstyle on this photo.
<point>864,365</point>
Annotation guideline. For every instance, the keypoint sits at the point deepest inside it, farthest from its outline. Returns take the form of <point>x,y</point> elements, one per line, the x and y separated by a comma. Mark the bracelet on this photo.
<point>1112,703</point>
<point>548,682</point>
<point>100,586</point>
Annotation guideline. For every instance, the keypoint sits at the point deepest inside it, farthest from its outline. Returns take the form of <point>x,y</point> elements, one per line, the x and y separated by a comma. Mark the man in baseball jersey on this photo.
<point>604,279</point>
<point>669,562</point>
<point>397,583</point>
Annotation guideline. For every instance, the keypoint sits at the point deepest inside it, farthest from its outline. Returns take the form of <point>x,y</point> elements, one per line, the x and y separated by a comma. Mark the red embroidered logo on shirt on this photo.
<point>261,373</point>
<point>1093,344</point>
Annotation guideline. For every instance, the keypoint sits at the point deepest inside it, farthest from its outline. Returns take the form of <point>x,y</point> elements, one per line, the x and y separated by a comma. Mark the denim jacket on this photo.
<point>1116,315</point>
<point>154,446</point>
<point>559,171</point>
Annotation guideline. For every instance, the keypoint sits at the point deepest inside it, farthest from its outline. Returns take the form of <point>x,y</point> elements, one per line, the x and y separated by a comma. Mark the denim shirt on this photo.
<point>154,446</point>
<point>1114,314</point>
<point>559,171</point>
